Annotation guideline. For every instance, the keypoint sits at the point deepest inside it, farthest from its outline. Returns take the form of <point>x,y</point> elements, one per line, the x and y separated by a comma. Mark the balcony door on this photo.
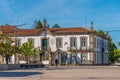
<point>44,44</point>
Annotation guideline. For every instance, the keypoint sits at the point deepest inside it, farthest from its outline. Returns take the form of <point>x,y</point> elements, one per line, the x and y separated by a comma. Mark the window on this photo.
<point>73,42</point>
<point>97,43</point>
<point>18,42</point>
<point>83,41</point>
<point>58,42</point>
<point>101,44</point>
<point>32,40</point>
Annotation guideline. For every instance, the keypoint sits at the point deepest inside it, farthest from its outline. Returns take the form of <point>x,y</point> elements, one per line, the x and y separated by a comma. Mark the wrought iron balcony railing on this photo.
<point>81,49</point>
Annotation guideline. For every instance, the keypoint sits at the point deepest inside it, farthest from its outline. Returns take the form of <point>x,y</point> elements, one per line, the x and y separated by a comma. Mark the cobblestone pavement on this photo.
<point>64,73</point>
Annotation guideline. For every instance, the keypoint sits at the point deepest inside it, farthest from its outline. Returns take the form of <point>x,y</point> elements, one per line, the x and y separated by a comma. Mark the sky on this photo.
<point>105,14</point>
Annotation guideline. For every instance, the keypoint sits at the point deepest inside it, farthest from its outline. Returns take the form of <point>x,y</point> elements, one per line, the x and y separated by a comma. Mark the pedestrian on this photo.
<point>56,62</point>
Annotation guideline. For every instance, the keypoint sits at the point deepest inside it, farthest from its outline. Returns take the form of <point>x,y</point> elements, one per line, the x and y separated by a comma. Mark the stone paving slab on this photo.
<point>63,73</point>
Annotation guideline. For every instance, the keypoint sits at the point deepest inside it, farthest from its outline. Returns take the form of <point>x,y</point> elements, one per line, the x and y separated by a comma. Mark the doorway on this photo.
<point>83,58</point>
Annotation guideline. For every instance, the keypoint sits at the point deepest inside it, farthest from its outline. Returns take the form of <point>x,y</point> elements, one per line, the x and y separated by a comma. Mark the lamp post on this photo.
<point>15,40</point>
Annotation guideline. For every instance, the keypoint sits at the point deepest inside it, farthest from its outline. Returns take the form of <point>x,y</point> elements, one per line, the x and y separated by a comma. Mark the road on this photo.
<point>63,73</point>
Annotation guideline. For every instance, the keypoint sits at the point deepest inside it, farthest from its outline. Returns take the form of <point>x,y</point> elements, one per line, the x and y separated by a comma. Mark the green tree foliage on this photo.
<point>28,50</point>
<point>37,24</point>
<point>112,48</point>
<point>118,43</point>
<point>101,32</point>
<point>117,53</point>
<point>6,47</point>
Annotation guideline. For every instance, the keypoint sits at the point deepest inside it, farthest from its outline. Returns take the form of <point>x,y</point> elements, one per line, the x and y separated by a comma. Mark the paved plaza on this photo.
<point>64,73</point>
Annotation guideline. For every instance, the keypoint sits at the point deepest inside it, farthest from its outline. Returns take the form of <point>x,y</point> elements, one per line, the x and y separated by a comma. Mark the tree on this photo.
<point>37,24</point>
<point>6,47</point>
<point>117,53</point>
<point>118,43</point>
<point>112,49</point>
<point>28,50</point>
<point>101,32</point>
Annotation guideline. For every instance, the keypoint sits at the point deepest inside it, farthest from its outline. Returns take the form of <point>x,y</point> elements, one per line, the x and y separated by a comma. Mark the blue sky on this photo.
<point>105,14</point>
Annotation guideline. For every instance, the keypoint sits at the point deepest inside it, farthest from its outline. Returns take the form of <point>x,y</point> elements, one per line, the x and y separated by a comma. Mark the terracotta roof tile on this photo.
<point>59,31</point>
<point>28,32</point>
<point>69,30</point>
<point>8,29</point>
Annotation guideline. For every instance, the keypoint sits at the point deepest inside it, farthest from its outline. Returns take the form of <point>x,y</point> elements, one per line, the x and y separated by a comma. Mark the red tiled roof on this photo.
<point>56,31</point>
<point>8,29</point>
<point>69,30</point>
<point>28,32</point>
<point>11,30</point>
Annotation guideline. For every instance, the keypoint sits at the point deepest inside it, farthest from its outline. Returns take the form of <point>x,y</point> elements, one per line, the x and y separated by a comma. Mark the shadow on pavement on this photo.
<point>18,74</point>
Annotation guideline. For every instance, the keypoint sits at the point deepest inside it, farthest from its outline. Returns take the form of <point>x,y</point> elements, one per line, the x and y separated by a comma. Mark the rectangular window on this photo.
<point>83,41</point>
<point>101,44</point>
<point>73,42</point>
<point>59,42</point>
<point>94,42</point>
<point>18,42</point>
<point>97,43</point>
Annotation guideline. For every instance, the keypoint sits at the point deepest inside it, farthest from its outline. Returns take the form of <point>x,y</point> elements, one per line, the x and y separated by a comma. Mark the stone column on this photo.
<point>91,42</point>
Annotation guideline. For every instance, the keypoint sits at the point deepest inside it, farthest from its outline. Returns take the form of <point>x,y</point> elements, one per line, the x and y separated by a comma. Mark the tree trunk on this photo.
<point>7,60</point>
<point>26,59</point>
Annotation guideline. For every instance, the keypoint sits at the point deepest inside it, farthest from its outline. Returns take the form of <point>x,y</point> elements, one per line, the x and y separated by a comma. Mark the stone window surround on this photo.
<point>58,43</point>
<point>85,42</point>
<point>16,40</point>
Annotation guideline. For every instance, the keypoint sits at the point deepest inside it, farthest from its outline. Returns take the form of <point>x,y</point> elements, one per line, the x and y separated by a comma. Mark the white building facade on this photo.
<point>68,45</point>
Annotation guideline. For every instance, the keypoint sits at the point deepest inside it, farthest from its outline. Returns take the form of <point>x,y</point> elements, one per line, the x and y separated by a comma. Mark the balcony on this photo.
<point>80,49</point>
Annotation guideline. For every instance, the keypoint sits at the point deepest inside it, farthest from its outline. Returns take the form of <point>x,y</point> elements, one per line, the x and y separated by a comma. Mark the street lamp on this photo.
<point>15,39</point>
